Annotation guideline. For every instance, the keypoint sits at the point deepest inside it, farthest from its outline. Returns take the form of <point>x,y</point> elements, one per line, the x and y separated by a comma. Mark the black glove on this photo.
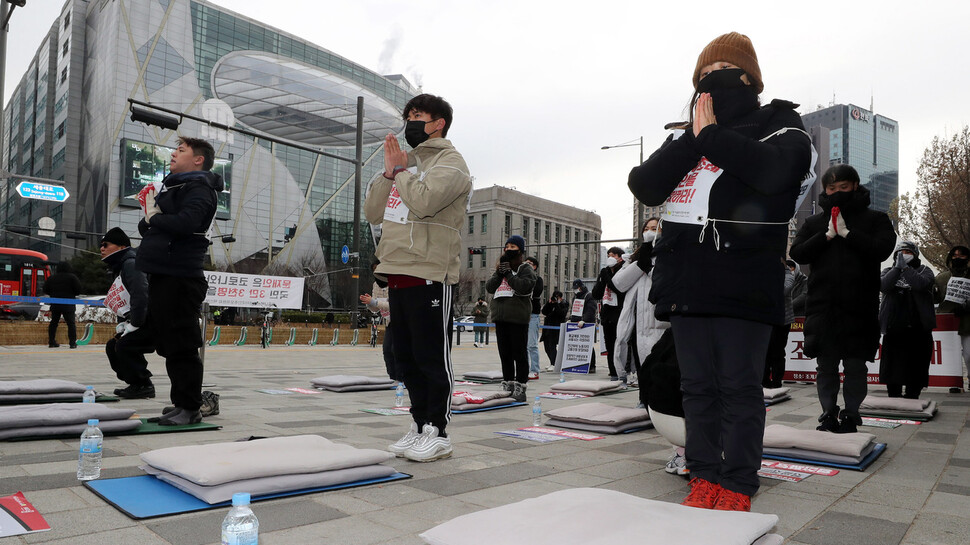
<point>504,268</point>
<point>644,260</point>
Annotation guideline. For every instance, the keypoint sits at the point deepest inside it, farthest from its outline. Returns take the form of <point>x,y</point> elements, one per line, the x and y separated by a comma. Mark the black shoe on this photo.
<point>180,417</point>
<point>955,390</point>
<point>73,345</point>
<point>828,422</point>
<point>168,409</point>
<point>136,392</point>
<point>52,345</point>
<point>847,425</point>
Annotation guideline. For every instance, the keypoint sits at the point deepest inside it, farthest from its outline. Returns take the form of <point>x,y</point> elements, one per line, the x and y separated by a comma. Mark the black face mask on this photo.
<point>511,255</point>
<point>414,133</point>
<point>959,262</point>
<point>842,199</point>
<point>732,98</point>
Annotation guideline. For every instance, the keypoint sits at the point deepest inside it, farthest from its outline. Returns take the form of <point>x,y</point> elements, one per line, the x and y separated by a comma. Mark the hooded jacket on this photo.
<point>728,266</point>
<point>427,243</point>
<point>907,294</point>
<point>63,284</point>
<point>637,317</point>
<point>175,242</point>
<point>940,293</point>
<point>842,314</point>
<point>122,264</point>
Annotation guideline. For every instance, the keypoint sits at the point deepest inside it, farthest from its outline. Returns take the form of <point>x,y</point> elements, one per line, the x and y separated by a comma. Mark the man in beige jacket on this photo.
<point>421,201</point>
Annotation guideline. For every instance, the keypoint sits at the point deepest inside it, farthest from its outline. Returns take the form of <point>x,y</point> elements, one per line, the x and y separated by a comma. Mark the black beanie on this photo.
<point>116,236</point>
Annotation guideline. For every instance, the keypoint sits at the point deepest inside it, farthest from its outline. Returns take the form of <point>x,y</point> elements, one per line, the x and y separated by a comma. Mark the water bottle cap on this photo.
<point>537,398</point>
<point>93,422</point>
<point>89,388</point>
<point>240,498</point>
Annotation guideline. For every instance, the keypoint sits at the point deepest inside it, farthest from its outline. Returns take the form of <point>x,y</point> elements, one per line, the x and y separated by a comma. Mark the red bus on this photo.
<point>22,272</point>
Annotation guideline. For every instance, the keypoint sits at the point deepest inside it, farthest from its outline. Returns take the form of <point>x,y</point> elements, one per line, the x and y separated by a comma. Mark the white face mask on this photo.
<point>649,236</point>
<point>610,261</point>
<point>908,257</point>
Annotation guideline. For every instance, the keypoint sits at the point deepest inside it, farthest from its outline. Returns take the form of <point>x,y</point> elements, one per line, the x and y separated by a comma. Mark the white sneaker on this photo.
<point>550,369</point>
<point>404,443</point>
<point>677,464</point>
<point>429,447</point>
<point>476,345</point>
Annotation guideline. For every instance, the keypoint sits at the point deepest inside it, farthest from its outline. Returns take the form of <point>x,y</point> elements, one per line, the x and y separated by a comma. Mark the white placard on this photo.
<point>957,290</point>
<point>118,298</point>
<point>578,345</point>
<point>578,307</point>
<point>504,290</point>
<point>689,201</point>
<point>254,291</point>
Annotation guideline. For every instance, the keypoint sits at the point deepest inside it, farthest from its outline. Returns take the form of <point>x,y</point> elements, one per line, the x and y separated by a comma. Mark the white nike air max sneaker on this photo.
<point>429,447</point>
<point>404,443</point>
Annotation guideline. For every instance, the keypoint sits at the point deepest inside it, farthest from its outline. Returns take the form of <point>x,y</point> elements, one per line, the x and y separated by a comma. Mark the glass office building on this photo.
<point>68,120</point>
<point>852,135</point>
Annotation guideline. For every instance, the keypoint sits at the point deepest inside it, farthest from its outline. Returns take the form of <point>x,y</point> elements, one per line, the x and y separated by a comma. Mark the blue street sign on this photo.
<point>43,192</point>
<point>345,254</point>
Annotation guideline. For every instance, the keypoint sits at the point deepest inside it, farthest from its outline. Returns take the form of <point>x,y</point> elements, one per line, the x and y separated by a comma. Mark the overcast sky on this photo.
<point>540,86</point>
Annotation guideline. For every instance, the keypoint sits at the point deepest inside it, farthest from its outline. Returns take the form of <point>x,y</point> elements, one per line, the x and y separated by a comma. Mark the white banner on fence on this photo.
<point>946,365</point>
<point>253,291</point>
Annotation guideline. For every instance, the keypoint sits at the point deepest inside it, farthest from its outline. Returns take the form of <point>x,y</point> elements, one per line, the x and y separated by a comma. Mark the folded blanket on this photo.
<point>8,399</point>
<point>352,383</point>
<point>272,485</point>
<point>842,444</point>
<point>58,414</point>
<point>107,427</point>
<point>774,393</point>
<point>566,517</point>
<point>819,457</point>
<point>497,402</point>
<point>40,386</point>
<point>474,397</point>
<point>894,403</point>
<point>599,413</point>
<point>589,387</point>
<point>220,463</point>
<point>483,375</point>
<point>610,429</point>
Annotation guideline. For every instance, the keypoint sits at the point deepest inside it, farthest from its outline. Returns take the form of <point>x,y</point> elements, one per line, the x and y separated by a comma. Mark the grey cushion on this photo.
<point>108,427</point>
<point>495,374</point>
<point>774,393</point>
<point>220,463</point>
<point>894,403</point>
<point>58,414</point>
<point>588,387</point>
<point>497,402</point>
<point>596,516</point>
<point>40,386</point>
<point>352,383</point>
<point>272,485</point>
<point>840,444</point>
<point>599,414</point>
<point>818,456</point>
<point>609,429</point>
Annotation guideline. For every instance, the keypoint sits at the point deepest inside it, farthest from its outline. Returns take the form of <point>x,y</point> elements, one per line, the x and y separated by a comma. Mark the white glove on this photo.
<point>120,328</point>
<point>129,328</point>
<point>580,324</point>
<point>830,233</point>
<point>840,227</point>
<point>150,207</point>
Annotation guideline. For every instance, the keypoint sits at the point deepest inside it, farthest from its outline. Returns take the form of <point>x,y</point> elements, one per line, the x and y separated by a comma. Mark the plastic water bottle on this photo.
<point>562,376</point>
<point>89,455</point>
<point>240,526</point>
<point>89,395</point>
<point>537,412</point>
<point>399,395</point>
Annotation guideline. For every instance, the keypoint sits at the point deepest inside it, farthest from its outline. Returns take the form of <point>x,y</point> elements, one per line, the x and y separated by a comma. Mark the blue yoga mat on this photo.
<point>861,466</point>
<point>144,496</point>
<point>516,404</point>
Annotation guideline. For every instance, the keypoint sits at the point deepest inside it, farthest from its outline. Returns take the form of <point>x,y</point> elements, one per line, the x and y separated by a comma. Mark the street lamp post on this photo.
<point>638,224</point>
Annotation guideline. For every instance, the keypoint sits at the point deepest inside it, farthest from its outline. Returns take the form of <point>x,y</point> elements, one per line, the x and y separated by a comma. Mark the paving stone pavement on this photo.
<point>917,493</point>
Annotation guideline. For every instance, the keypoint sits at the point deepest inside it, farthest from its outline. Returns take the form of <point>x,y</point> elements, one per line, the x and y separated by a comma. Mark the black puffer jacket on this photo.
<point>175,243</point>
<point>734,271</point>
<point>122,264</point>
<point>842,314</point>
<point>63,284</point>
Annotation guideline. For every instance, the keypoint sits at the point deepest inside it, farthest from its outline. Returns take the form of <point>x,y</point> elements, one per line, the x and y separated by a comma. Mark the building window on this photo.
<point>585,236</point>
<point>536,231</point>
<point>559,233</point>
<point>67,20</point>
<point>481,289</point>
<point>65,48</point>
<point>556,266</point>
<point>525,228</point>
<point>484,264</point>
<point>64,75</point>
<point>508,224</point>
<point>568,230</point>
<point>565,267</point>
<point>471,260</point>
<point>548,238</point>
<point>59,132</point>
<point>484,223</point>
<point>471,225</point>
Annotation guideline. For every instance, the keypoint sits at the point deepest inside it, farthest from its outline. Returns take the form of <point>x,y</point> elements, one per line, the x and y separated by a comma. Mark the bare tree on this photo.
<point>467,291</point>
<point>936,216</point>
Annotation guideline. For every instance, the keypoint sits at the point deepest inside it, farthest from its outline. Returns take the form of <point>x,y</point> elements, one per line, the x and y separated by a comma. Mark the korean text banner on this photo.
<point>251,290</point>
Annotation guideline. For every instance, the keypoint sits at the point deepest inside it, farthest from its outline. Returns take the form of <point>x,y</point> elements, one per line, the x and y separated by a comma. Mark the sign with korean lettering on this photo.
<point>43,192</point>
<point>254,291</point>
<point>688,202</point>
<point>118,298</point>
<point>946,363</point>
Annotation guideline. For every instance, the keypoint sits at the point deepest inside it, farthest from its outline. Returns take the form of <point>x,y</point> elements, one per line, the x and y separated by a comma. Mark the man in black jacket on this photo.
<point>845,245</point>
<point>612,304</point>
<point>63,284</point>
<point>583,311</point>
<point>174,243</point>
<point>128,298</point>
<point>555,313</point>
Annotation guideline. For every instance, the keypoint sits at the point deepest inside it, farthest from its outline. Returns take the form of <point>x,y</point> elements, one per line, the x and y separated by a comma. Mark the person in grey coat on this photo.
<point>907,320</point>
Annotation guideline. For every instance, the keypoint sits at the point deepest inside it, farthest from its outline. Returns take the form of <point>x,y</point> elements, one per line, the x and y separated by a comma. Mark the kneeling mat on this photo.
<point>567,518</point>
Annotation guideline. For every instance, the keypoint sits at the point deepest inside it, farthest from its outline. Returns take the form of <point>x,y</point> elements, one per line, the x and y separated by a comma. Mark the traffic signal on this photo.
<point>476,251</point>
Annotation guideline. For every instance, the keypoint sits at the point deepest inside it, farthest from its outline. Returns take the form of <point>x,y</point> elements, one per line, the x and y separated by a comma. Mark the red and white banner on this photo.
<point>250,290</point>
<point>946,365</point>
<point>118,298</point>
<point>18,516</point>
